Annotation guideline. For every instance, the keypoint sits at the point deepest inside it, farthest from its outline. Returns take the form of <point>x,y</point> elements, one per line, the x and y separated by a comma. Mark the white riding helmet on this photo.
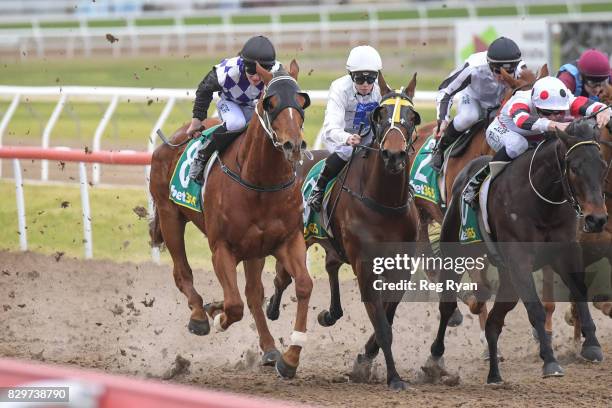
<point>551,94</point>
<point>364,58</point>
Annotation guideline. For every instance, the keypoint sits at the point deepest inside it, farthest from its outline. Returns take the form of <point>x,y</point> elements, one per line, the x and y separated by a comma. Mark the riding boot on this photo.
<point>333,166</point>
<point>448,138</point>
<point>495,166</point>
<point>196,170</point>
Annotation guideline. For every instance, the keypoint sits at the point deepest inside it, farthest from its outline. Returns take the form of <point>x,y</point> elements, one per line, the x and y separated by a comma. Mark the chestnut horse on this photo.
<point>519,217</point>
<point>253,208</point>
<point>374,205</point>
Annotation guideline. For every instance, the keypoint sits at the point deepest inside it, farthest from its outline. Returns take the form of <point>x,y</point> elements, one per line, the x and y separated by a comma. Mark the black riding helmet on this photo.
<point>503,53</point>
<point>258,49</point>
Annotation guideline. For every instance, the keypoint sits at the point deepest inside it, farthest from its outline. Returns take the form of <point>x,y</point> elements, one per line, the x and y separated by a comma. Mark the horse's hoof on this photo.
<point>362,369</point>
<point>456,319</point>
<point>272,312</point>
<point>325,319</point>
<point>199,327</point>
<point>494,380</point>
<point>592,354</point>
<point>270,357</point>
<point>397,384</point>
<point>552,369</point>
<point>283,369</point>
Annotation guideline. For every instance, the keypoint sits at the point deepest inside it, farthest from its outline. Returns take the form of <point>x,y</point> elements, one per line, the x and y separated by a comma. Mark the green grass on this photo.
<point>203,20</point>
<point>299,18</point>
<point>447,13</point>
<point>251,19</point>
<point>595,7</point>
<point>352,16</point>
<point>547,9</point>
<point>397,14</point>
<point>496,11</point>
<point>59,24</point>
<point>106,23</point>
<point>154,22</point>
<point>9,26</point>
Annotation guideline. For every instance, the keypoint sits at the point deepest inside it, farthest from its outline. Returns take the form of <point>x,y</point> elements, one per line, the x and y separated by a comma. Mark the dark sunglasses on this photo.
<point>359,79</point>
<point>595,82</point>
<point>546,112</point>
<point>497,69</point>
<point>251,68</point>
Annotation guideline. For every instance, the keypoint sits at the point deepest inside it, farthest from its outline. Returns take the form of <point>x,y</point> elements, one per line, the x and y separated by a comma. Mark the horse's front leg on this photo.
<point>224,262</point>
<point>292,255</point>
<point>254,292</point>
<point>281,281</point>
<point>332,265</point>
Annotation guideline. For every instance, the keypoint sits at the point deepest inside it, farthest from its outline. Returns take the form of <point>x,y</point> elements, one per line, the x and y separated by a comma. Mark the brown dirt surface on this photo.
<point>93,314</point>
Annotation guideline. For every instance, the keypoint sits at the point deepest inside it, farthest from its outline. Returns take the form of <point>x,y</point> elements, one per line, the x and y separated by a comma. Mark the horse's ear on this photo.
<point>382,84</point>
<point>410,88</point>
<point>264,74</point>
<point>567,139</point>
<point>508,79</point>
<point>294,69</point>
<point>542,72</point>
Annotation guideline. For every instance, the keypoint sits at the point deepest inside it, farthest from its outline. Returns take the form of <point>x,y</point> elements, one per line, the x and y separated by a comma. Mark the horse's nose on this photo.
<point>288,146</point>
<point>595,223</point>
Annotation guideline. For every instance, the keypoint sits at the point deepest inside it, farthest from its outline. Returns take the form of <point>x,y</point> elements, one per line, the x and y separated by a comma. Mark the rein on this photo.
<point>567,188</point>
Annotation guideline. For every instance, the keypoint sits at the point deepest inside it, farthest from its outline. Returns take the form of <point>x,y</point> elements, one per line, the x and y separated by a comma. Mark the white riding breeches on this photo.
<point>469,112</point>
<point>499,136</point>
<point>235,116</point>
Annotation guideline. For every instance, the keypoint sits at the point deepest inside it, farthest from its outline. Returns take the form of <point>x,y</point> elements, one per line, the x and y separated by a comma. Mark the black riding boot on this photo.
<point>333,166</point>
<point>448,138</point>
<point>215,142</point>
<point>498,162</point>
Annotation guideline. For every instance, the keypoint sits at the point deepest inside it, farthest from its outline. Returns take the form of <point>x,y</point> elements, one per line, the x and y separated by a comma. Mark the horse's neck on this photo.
<point>260,162</point>
<point>388,189</point>
<point>546,173</point>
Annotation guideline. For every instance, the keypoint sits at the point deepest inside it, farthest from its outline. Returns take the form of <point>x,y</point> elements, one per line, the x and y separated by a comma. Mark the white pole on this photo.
<point>154,250</point>
<point>98,135</point>
<point>6,119</point>
<point>44,174</point>
<point>21,219</point>
<point>86,213</point>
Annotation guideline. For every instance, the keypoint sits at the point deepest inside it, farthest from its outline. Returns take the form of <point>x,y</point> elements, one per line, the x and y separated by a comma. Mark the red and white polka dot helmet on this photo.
<point>551,94</point>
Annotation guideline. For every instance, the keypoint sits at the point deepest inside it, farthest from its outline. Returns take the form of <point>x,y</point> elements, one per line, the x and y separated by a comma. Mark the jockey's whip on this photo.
<point>348,167</point>
<point>167,142</point>
<point>592,115</point>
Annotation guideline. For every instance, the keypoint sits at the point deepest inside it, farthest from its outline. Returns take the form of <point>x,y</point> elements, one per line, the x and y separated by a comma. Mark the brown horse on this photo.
<point>477,146</point>
<point>253,208</point>
<point>595,246</point>
<point>567,167</point>
<point>374,205</point>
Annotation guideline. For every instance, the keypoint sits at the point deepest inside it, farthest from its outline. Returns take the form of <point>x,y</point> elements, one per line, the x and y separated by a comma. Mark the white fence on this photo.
<point>61,95</point>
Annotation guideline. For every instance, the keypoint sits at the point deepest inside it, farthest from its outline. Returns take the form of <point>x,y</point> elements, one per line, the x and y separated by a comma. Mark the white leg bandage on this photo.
<point>217,323</point>
<point>298,339</point>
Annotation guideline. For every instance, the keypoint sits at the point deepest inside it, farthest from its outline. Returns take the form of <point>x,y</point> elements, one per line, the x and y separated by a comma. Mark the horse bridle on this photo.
<point>567,187</point>
<point>398,100</point>
<point>287,100</point>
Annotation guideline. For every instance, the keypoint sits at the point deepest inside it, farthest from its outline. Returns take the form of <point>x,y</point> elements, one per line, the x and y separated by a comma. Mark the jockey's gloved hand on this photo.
<point>442,125</point>
<point>194,126</point>
<point>603,117</point>
<point>552,125</point>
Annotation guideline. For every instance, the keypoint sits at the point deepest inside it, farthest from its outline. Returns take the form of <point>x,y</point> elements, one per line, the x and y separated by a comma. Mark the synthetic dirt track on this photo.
<point>130,319</point>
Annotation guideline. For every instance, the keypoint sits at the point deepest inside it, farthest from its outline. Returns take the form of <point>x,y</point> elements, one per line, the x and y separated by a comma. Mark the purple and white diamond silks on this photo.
<point>236,86</point>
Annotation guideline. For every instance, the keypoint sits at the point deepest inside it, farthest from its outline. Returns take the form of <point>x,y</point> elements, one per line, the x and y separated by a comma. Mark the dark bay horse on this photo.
<point>252,208</point>
<point>374,206</point>
<point>477,146</point>
<point>566,167</point>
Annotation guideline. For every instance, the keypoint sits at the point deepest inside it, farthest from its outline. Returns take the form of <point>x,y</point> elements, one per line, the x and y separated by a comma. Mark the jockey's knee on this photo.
<point>465,120</point>
<point>235,124</point>
<point>303,286</point>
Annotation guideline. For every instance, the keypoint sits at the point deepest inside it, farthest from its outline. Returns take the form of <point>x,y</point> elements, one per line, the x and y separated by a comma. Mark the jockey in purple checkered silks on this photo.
<point>239,88</point>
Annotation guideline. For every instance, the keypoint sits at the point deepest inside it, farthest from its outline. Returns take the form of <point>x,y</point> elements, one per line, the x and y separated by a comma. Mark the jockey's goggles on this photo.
<point>595,82</point>
<point>251,67</point>
<point>361,77</point>
<point>509,68</point>
<point>548,112</point>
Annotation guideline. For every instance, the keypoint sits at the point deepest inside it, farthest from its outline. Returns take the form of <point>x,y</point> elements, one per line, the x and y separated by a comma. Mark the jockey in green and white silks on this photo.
<point>352,98</point>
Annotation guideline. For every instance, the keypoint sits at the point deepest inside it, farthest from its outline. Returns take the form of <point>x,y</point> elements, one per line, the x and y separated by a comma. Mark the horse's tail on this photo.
<point>157,239</point>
